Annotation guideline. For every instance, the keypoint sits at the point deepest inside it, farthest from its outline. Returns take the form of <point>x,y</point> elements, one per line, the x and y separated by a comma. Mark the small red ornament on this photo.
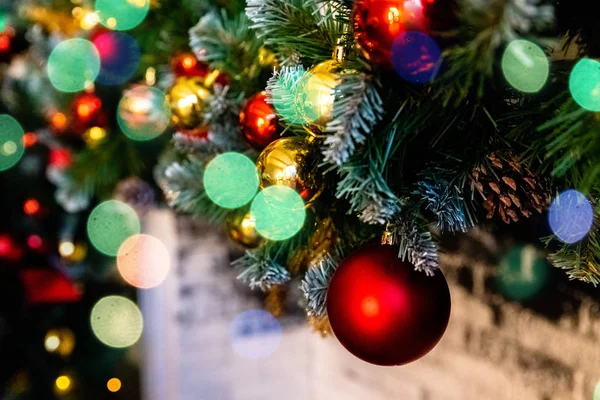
<point>383,311</point>
<point>88,112</point>
<point>377,23</point>
<point>259,122</point>
<point>187,65</point>
<point>60,158</point>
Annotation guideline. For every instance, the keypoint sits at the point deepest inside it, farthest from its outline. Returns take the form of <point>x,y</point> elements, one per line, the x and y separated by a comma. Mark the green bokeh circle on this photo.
<point>522,273</point>
<point>116,321</point>
<point>110,224</point>
<point>143,113</point>
<point>279,212</point>
<point>125,14</point>
<point>72,64</point>
<point>584,84</point>
<point>525,66</point>
<point>11,142</point>
<point>231,180</point>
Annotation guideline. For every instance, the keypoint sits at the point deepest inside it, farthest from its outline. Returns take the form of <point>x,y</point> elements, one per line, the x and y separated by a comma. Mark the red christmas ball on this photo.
<point>187,64</point>
<point>383,311</point>
<point>259,122</point>
<point>377,23</point>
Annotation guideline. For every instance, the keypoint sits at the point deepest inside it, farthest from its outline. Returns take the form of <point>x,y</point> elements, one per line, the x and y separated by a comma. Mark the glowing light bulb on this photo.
<point>114,385</point>
<point>63,383</point>
<point>51,343</point>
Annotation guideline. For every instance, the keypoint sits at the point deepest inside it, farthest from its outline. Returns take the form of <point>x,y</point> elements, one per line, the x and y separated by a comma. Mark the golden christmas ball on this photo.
<point>282,163</point>
<point>241,228</point>
<point>316,93</point>
<point>188,98</point>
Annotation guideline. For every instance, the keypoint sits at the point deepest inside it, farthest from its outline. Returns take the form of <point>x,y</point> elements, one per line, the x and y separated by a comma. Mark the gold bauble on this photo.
<point>266,58</point>
<point>188,98</point>
<point>316,93</point>
<point>280,163</point>
<point>60,341</point>
<point>241,228</point>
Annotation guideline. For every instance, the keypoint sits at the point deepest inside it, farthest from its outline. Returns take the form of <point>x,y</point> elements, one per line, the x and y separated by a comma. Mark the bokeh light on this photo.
<point>279,212</point>
<point>144,113</point>
<point>52,342</point>
<point>119,57</point>
<point>61,341</point>
<point>121,15</point>
<point>31,206</point>
<point>231,180</point>
<point>113,385</point>
<point>597,392</point>
<point>522,273</point>
<point>143,261</point>
<point>117,321</point>
<point>571,216</point>
<point>11,142</point>
<point>66,248</point>
<point>416,57</point>
<point>110,224</point>
<point>63,383</point>
<point>73,65</point>
<point>255,334</point>
<point>584,84</point>
<point>525,66</point>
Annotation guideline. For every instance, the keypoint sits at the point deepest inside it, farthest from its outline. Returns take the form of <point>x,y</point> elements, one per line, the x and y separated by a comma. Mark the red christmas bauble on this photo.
<point>259,122</point>
<point>87,112</point>
<point>187,64</point>
<point>377,23</point>
<point>383,311</point>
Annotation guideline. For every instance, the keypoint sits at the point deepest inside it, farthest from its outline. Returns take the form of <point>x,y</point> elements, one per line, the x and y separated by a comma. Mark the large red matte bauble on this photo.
<point>383,311</point>
<point>377,23</point>
<point>259,122</point>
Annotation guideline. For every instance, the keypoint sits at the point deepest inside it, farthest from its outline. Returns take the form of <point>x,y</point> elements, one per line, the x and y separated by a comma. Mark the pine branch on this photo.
<point>259,270</point>
<point>482,27</point>
<point>368,194</point>
<point>295,26</point>
<point>181,183</point>
<point>315,283</point>
<point>282,93</point>
<point>222,116</point>
<point>230,45</point>
<point>416,245</point>
<point>357,109</point>
<point>443,191</point>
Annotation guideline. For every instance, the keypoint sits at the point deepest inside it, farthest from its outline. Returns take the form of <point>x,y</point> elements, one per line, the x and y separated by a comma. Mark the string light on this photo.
<point>113,385</point>
<point>63,383</point>
<point>31,206</point>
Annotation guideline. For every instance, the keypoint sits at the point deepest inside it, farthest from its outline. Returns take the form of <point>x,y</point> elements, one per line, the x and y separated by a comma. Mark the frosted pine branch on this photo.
<point>368,194</point>
<point>282,92</point>
<point>357,109</point>
<point>315,283</point>
<point>259,270</point>
<point>416,246</point>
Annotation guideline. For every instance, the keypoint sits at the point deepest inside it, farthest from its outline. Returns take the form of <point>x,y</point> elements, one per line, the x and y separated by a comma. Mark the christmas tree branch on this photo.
<point>260,270</point>
<point>415,244</point>
<point>315,283</point>
<point>295,26</point>
<point>357,109</point>
<point>228,44</point>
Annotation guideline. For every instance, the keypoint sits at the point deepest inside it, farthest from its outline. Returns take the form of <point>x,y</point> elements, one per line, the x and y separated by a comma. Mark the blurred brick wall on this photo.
<point>493,349</point>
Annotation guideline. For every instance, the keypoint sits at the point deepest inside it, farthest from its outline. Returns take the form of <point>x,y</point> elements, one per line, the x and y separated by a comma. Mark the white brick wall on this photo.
<point>524,357</point>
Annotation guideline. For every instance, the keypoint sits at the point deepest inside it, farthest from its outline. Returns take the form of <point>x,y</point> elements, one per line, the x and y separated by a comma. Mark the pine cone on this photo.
<point>509,188</point>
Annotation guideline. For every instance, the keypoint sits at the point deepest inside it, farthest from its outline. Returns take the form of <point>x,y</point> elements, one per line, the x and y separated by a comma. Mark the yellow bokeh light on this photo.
<point>111,22</point>
<point>138,3</point>
<point>97,133</point>
<point>114,385</point>
<point>90,21</point>
<point>117,321</point>
<point>63,383</point>
<point>66,248</point>
<point>51,343</point>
